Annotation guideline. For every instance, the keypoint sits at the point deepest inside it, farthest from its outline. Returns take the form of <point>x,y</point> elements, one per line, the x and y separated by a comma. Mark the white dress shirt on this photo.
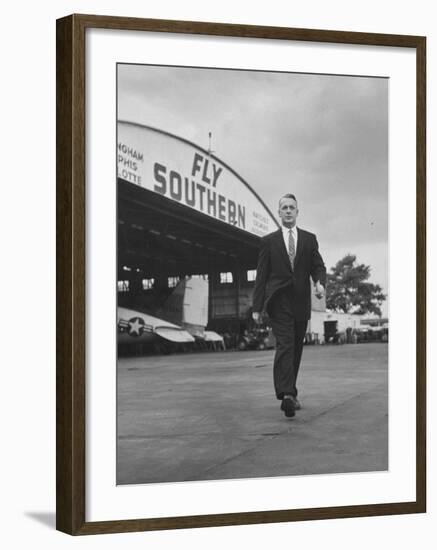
<point>285,233</point>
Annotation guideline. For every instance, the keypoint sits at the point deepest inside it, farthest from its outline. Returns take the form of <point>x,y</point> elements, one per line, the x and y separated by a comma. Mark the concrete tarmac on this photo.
<point>214,415</point>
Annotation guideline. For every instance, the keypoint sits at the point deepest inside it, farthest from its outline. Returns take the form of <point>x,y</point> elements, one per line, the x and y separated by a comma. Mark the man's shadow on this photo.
<point>46,518</point>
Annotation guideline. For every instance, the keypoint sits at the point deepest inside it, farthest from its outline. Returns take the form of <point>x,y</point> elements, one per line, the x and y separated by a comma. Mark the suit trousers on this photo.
<point>290,335</point>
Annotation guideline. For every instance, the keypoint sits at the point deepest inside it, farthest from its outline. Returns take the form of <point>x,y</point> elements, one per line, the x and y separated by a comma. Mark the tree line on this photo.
<point>348,289</point>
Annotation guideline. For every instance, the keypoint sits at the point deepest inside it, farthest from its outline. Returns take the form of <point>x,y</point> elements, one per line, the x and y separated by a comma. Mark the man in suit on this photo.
<point>287,259</point>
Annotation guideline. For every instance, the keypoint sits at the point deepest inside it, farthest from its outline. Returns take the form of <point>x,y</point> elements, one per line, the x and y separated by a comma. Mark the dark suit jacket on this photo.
<point>274,272</point>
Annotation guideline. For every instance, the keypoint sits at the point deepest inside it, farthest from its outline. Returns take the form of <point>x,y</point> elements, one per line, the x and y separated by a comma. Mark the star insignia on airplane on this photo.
<point>136,326</point>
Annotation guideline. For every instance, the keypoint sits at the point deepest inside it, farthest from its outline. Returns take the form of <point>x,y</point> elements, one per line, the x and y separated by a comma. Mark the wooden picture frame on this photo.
<point>71,253</point>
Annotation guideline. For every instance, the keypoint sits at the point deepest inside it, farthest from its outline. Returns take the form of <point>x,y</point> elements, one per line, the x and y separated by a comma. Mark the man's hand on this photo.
<point>256,316</point>
<point>320,291</point>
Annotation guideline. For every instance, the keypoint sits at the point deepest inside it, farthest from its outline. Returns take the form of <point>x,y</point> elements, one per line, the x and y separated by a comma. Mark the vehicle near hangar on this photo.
<point>372,334</point>
<point>259,338</point>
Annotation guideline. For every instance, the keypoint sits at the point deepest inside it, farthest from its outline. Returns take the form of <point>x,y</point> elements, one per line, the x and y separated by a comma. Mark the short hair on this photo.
<point>287,196</point>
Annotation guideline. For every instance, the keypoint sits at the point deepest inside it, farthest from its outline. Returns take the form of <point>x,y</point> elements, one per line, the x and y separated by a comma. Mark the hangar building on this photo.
<point>182,211</point>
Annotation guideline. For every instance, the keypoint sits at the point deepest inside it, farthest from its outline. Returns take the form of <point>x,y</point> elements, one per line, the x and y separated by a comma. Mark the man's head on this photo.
<point>288,210</point>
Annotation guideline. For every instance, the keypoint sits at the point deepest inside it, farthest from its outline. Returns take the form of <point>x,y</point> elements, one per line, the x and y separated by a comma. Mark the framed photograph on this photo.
<point>240,274</point>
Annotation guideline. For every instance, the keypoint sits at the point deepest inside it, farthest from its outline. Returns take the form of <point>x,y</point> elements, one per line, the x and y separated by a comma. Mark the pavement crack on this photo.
<point>339,405</point>
<point>182,435</point>
<point>222,463</point>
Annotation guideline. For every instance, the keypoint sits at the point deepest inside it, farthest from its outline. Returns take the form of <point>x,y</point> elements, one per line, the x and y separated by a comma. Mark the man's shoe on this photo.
<point>288,407</point>
<point>297,405</point>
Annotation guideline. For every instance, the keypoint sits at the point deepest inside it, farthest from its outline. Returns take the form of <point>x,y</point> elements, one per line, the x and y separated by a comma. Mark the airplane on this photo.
<point>181,320</point>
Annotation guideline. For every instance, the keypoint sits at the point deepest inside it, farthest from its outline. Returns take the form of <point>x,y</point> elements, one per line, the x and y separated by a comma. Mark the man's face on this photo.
<point>288,212</point>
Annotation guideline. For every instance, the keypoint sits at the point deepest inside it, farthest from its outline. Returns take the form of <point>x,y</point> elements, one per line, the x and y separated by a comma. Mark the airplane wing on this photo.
<point>134,326</point>
<point>211,336</point>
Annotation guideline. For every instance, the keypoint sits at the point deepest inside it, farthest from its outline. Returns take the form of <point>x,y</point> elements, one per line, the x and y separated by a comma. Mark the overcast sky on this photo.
<point>323,138</point>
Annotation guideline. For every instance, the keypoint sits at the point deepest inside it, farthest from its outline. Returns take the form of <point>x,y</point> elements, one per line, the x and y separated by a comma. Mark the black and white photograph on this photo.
<point>252,274</point>
<point>219,233</point>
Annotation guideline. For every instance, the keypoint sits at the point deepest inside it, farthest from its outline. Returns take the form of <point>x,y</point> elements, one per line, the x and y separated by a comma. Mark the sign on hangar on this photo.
<point>181,171</point>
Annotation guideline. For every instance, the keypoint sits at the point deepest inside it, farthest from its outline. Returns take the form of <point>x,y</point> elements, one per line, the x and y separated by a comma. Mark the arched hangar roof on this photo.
<point>183,172</point>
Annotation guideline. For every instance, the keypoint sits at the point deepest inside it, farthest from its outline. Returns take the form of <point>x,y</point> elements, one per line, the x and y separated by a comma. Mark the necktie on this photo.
<point>291,248</point>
